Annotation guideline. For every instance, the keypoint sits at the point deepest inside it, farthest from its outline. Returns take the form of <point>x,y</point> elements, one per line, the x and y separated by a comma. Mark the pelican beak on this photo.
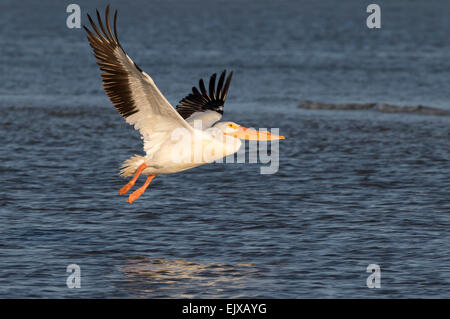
<point>244,133</point>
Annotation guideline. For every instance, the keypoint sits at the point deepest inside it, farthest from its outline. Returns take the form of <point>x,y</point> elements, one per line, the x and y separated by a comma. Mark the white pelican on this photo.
<point>138,100</point>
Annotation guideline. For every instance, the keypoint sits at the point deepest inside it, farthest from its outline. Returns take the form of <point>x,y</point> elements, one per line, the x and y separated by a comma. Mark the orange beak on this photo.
<point>244,133</point>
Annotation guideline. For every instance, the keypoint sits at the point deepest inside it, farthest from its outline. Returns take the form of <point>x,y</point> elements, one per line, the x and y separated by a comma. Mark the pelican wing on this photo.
<point>132,91</point>
<point>203,104</point>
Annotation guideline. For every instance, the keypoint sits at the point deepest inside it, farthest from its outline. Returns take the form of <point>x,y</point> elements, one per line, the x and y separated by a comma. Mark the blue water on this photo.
<point>353,188</point>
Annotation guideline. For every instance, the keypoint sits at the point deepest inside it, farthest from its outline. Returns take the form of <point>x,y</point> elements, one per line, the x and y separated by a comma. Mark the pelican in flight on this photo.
<point>171,136</point>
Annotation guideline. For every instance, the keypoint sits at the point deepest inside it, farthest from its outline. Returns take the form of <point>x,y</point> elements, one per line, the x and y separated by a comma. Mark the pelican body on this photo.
<point>174,139</point>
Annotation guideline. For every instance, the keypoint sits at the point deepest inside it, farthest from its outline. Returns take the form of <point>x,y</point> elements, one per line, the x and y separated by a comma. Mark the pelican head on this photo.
<point>243,133</point>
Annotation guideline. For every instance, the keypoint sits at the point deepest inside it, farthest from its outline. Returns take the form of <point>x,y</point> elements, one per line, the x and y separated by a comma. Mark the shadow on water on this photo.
<point>183,278</point>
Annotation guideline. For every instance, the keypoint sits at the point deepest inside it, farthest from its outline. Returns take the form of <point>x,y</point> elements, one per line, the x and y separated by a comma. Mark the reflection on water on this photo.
<point>181,278</point>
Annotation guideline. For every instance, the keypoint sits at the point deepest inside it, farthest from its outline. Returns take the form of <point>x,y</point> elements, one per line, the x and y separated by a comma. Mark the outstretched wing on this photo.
<point>132,91</point>
<point>206,105</point>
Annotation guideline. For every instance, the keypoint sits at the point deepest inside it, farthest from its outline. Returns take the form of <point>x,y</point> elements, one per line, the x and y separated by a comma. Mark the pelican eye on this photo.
<point>230,125</point>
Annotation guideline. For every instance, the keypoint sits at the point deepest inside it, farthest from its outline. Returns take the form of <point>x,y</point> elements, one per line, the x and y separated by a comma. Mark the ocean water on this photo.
<point>353,188</point>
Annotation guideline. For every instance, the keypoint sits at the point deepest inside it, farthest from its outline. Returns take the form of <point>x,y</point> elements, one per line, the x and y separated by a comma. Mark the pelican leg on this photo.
<point>130,184</point>
<point>135,195</point>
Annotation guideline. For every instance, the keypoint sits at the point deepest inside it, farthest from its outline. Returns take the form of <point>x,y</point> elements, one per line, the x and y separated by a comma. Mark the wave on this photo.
<point>379,107</point>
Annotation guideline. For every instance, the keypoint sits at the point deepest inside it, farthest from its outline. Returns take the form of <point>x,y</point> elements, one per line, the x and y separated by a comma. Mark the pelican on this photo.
<point>136,97</point>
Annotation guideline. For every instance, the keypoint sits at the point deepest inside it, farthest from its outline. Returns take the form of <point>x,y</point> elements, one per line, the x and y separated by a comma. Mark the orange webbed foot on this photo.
<point>126,188</point>
<point>130,184</point>
<point>137,193</point>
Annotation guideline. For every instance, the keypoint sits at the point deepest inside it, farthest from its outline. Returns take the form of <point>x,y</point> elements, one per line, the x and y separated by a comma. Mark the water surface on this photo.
<point>353,187</point>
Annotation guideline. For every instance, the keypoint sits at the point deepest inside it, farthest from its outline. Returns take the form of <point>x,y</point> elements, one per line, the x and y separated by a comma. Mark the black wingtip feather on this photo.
<point>202,101</point>
<point>114,76</point>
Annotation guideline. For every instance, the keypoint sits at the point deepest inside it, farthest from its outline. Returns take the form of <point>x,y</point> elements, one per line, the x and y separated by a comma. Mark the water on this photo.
<point>353,187</point>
